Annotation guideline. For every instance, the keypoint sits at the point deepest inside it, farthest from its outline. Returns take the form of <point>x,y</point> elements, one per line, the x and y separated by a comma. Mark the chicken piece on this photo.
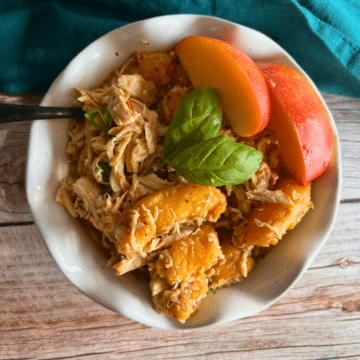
<point>264,178</point>
<point>157,283</point>
<point>88,190</point>
<point>235,265</point>
<point>258,253</point>
<point>179,76</point>
<point>183,300</point>
<point>91,205</point>
<point>136,262</point>
<point>87,200</point>
<point>171,103</point>
<point>172,100</point>
<point>65,197</point>
<point>157,67</point>
<point>147,257</point>
<point>269,222</point>
<point>137,87</point>
<point>199,251</point>
<point>270,196</point>
<point>156,213</point>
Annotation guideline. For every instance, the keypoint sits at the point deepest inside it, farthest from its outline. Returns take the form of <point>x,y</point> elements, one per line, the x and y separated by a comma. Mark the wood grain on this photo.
<point>14,143</point>
<point>41,311</point>
<point>346,113</point>
<point>14,139</point>
<point>43,316</point>
<point>13,151</point>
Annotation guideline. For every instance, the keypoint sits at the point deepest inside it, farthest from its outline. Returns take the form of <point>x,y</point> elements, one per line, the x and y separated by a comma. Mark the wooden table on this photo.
<point>43,316</point>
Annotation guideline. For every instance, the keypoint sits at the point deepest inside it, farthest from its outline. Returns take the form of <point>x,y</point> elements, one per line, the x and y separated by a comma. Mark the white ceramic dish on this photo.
<point>78,258</point>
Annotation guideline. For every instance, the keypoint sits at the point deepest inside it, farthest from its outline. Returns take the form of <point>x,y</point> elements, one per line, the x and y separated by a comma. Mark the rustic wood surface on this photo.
<point>43,316</point>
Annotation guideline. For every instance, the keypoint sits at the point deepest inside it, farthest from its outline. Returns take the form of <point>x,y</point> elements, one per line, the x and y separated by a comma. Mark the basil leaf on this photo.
<point>105,116</point>
<point>194,148</point>
<point>218,161</point>
<point>198,118</point>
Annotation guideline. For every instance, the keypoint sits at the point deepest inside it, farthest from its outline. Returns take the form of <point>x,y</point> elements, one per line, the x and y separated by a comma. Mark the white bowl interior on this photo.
<point>82,262</point>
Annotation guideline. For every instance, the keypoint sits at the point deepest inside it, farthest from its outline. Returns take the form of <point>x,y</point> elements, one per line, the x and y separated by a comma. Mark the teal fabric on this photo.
<point>39,38</point>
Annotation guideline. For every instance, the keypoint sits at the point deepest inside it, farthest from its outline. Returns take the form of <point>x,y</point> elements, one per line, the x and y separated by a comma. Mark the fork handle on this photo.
<point>10,113</point>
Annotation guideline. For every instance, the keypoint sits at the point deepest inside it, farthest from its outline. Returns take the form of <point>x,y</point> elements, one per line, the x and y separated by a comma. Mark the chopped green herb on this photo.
<point>207,197</point>
<point>106,168</point>
<point>150,171</point>
<point>197,223</point>
<point>105,190</point>
<point>153,169</point>
<point>105,116</point>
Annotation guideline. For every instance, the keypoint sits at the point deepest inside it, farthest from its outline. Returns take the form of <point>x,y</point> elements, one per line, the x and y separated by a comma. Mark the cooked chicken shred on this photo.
<point>189,237</point>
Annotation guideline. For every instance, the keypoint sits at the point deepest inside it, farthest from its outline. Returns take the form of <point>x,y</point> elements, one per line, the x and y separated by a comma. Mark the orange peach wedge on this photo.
<point>242,87</point>
<point>300,121</point>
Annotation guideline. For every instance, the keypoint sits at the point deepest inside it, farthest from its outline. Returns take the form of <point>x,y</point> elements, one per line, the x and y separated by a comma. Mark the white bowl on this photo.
<point>83,263</point>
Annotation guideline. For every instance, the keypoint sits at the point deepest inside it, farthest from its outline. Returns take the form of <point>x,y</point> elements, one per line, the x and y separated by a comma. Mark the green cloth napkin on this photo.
<point>39,38</point>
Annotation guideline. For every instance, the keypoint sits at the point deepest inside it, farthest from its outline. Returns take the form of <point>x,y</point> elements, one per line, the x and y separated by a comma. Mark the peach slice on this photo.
<point>244,94</point>
<point>300,121</point>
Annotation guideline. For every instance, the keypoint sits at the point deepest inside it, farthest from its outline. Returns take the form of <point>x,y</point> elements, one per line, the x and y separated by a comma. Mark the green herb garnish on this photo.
<point>104,191</point>
<point>197,223</point>
<point>197,119</point>
<point>106,168</point>
<point>105,116</point>
<point>152,169</point>
<point>194,147</point>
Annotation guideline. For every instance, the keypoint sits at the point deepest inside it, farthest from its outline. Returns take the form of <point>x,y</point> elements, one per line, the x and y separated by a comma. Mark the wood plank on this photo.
<point>13,150</point>
<point>41,311</point>
<point>346,113</point>
<point>14,142</point>
<point>14,139</point>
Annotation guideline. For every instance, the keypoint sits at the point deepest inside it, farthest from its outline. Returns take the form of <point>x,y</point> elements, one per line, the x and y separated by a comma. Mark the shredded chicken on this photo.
<point>270,196</point>
<point>182,259</point>
<point>171,205</point>
<point>268,222</point>
<point>182,300</point>
<point>190,237</point>
<point>233,267</point>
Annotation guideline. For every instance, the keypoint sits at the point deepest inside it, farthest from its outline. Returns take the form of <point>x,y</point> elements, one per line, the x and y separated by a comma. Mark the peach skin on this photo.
<point>242,87</point>
<point>300,121</point>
